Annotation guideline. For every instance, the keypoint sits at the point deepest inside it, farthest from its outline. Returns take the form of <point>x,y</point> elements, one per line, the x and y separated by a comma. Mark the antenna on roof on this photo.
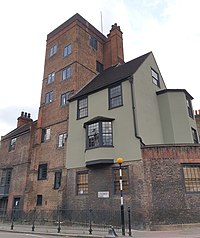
<point>101,23</point>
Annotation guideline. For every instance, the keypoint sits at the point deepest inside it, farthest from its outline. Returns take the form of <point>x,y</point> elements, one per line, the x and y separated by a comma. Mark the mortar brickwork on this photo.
<point>168,202</point>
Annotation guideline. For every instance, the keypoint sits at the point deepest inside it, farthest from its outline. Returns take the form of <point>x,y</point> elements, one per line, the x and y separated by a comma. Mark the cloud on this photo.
<point>9,115</point>
<point>169,28</point>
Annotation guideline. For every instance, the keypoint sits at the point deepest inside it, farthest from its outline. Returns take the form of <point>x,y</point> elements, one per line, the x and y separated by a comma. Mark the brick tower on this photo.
<point>75,52</point>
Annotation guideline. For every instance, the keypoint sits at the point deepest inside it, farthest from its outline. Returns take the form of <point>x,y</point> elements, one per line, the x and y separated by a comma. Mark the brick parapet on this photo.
<point>184,153</point>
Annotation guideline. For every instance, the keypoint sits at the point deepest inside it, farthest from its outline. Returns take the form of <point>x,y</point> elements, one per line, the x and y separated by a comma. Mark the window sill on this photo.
<point>101,146</point>
<point>110,108</point>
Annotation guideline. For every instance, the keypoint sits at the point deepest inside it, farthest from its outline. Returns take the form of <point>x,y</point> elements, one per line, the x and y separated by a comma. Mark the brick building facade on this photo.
<point>15,163</point>
<point>160,179</point>
<point>75,53</point>
<point>172,184</point>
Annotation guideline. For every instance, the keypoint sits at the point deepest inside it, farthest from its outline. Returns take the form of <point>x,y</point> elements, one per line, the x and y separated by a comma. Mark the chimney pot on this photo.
<point>24,119</point>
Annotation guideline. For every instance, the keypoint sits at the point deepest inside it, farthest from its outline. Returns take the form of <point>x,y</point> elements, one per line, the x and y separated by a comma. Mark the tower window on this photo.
<point>93,42</point>
<point>51,78</point>
<point>42,172</point>
<point>46,132</point>
<point>53,50</point>
<point>57,179</point>
<point>66,74</point>
<point>67,50</point>
<point>49,97</point>
<point>64,98</point>
<point>99,67</point>
<point>61,140</point>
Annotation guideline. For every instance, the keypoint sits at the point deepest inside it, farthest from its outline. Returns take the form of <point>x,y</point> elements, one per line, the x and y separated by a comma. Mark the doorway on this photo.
<point>16,208</point>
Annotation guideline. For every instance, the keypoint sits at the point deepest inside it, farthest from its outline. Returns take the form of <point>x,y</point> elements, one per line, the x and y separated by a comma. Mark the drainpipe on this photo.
<point>133,111</point>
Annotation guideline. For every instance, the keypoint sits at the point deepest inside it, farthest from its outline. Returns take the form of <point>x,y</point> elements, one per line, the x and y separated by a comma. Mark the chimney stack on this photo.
<point>24,119</point>
<point>113,48</point>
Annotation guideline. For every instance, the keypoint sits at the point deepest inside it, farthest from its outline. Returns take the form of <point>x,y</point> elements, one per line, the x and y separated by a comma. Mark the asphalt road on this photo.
<point>18,235</point>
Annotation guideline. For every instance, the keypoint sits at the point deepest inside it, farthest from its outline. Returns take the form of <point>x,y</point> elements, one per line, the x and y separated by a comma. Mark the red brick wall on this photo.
<point>167,201</point>
<point>83,62</point>
<point>18,160</point>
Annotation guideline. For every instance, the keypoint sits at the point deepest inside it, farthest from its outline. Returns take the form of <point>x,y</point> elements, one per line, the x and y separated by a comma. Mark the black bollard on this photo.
<point>33,224</point>
<point>59,226</point>
<point>13,217</point>
<point>90,221</point>
<point>129,222</point>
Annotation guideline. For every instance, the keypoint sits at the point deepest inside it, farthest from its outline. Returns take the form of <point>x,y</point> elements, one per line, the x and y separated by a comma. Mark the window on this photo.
<point>99,67</point>
<point>155,77</point>
<point>82,183</point>
<point>39,200</point>
<point>191,174</point>
<point>125,181</point>
<point>12,144</point>
<point>66,74</point>
<point>115,96</point>
<point>194,135</point>
<point>99,134</point>
<point>46,133</point>
<point>67,50</point>
<point>49,97</point>
<point>53,50</point>
<point>82,108</point>
<point>189,107</point>
<point>57,179</point>
<point>93,42</point>
<point>51,78</point>
<point>61,140</point>
<point>64,98</point>
<point>6,177</point>
<point>42,172</point>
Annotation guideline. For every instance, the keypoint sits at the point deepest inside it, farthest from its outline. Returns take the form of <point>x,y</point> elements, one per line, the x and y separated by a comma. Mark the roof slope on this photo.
<point>110,76</point>
<point>18,131</point>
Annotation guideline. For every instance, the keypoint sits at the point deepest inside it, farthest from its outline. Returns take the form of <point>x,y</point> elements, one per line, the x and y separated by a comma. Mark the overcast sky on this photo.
<point>168,28</point>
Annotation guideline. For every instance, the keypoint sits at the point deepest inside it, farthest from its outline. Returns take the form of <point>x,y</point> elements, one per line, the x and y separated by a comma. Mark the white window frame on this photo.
<point>61,140</point>
<point>53,50</point>
<point>67,50</point>
<point>66,73</point>
<point>51,77</point>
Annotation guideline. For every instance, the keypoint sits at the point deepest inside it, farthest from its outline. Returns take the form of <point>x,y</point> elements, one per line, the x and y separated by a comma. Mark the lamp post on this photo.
<point>120,161</point>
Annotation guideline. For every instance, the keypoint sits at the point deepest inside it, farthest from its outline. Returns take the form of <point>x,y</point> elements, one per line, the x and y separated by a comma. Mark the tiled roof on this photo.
<point>110,76</point>
<point>18,131</point>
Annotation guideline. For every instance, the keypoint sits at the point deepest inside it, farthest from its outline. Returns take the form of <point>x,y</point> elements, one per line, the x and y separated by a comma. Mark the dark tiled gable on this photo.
<point>18,131</point>
<point>110,76</point>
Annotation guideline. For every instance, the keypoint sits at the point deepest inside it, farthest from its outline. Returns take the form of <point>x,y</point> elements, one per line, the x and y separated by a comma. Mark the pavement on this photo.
<point>66,231</point>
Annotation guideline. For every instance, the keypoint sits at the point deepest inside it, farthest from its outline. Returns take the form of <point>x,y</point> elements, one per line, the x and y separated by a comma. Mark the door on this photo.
<point>16,208</point>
